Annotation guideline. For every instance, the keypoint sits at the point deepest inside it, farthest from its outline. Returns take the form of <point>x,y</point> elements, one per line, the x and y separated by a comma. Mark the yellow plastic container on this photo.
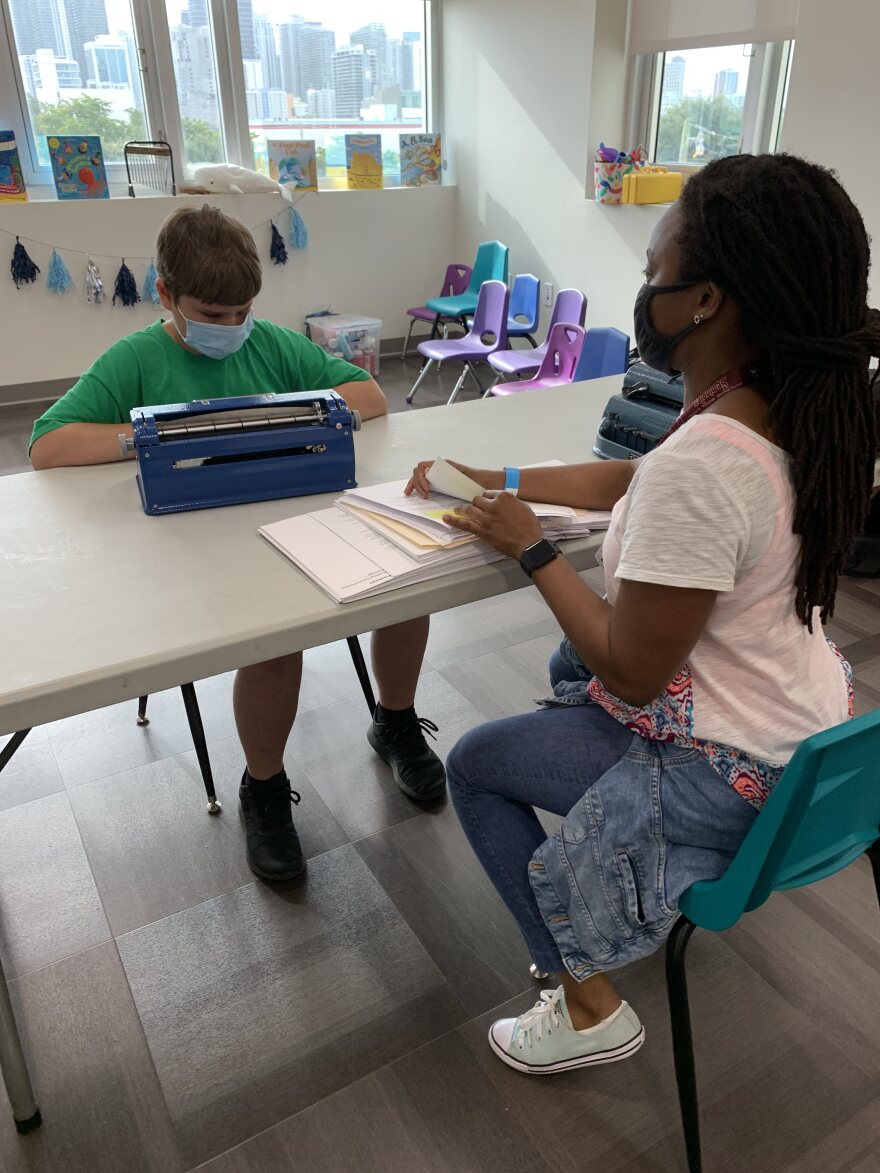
<point>652,185</point>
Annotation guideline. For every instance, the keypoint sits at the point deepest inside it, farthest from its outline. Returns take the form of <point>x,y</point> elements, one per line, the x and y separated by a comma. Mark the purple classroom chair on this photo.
<point>455,283</point>
<point>570,306</point>
<point>488,334</point>
<point>557,366</point>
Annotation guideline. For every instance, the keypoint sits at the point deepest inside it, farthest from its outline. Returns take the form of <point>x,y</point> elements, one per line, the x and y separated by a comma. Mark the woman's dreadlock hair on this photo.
<point>782,238</point>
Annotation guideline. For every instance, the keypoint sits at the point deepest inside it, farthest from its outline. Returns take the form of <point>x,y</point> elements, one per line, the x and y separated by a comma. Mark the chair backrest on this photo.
<point>605,352</point>
<point>823,812</point>
<point>490,316</point>
<point>456,281</point>
<point>564,344</point>
<point>490,264</point>
<point>525,301</point>
<point>570,306</point>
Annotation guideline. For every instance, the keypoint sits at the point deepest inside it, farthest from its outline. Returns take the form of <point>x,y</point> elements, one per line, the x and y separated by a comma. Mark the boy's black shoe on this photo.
<point>398,737</point>
<point>273,847</point>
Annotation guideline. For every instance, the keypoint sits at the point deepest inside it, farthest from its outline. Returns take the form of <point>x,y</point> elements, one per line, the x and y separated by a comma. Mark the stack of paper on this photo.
<point>377,539</point>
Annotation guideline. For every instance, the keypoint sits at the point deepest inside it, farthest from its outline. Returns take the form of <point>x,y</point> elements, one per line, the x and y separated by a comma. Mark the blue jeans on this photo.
<point>645,821</point>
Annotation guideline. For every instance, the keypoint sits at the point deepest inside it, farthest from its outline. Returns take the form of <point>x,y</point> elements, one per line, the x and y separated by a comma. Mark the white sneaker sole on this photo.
<point>614,1055</point>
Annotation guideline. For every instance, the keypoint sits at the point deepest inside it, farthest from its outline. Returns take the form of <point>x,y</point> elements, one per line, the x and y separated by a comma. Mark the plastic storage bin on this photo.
<point>348,336</point>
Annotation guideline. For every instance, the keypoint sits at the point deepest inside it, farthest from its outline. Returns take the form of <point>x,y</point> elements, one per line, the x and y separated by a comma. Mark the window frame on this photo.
<point>769,70</point>
<point>152,37</point>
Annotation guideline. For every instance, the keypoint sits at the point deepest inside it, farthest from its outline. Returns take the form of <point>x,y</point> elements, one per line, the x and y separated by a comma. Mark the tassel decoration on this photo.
<point>150,292</point>
<point>94,284</point>
<point>126,289</point>
<point>299,234</point>
<point>278,249</point>
<point>58,279</point>
<point>23,268</point>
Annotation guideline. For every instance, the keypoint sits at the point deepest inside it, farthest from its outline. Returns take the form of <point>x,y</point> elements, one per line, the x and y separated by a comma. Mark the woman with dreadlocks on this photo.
<point>707,660</point>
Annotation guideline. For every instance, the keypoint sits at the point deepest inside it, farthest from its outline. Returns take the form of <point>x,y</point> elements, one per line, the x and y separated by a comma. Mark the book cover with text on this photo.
<point>293,162</point>
<point>12,187</point>
<point>78,167</point>
<point>363,161</point>
<point>421,159</point>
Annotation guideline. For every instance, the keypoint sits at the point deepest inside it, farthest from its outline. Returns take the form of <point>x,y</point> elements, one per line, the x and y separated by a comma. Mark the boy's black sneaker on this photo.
<point>273,847</point>
<point>399,739</point>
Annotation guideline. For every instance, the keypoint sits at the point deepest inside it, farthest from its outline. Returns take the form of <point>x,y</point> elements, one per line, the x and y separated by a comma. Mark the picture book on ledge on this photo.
<point>78,167</point>
<point>12,186</point>
<point>363,161</point>
<point>421,159</point>
<point>293,162</point>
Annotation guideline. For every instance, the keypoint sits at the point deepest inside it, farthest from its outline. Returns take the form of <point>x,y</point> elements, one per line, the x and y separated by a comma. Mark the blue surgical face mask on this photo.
<point>215,341</point>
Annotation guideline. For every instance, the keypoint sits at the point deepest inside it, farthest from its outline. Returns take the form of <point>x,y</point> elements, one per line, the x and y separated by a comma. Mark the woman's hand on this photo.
<point>418,482</point>
<point>504,522</point>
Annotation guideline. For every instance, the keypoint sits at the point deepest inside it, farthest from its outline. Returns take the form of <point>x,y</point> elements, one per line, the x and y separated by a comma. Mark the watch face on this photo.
<point>538,555</point>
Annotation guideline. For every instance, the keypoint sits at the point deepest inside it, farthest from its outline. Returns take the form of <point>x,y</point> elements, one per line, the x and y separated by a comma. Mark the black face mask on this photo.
<point>656,349</point>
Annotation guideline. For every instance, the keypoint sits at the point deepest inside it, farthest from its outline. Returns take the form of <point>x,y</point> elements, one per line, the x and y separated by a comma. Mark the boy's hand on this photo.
<point>418,482</point>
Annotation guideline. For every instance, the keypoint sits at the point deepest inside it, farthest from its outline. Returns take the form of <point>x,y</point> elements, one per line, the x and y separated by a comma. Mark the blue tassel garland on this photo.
<point>58,279</point>
<point>23,268</point>
<point>150,292</point>
<point>126,289</point>
<point>278,249</point>
<point>299,234</point>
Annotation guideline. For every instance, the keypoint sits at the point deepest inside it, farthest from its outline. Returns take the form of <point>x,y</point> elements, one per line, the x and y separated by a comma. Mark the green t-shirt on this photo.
<point>149,368</point>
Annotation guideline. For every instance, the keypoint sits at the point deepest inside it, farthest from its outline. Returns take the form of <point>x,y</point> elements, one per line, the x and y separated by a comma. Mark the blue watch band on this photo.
<point>511,480</point>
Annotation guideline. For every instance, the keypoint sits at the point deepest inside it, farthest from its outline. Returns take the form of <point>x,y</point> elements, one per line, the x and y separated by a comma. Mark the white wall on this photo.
<point>374,253</point>
<point>831,116</point>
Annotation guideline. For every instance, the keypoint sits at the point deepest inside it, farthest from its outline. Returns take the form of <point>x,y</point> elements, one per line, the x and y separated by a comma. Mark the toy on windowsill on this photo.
<point>230,179</point>
<point>609,168</point>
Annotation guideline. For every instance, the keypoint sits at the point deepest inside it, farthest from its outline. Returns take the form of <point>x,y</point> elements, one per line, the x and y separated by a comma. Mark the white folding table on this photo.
<point>101,603</point>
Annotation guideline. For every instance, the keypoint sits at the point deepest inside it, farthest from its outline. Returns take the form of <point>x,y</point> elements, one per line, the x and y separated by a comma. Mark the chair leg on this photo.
<point>13,1066</point>
<point>419,380</point>
<point>11,746</point>
<point>458,386</point>
<point>873,854</point>
<point>533,342</point>
<point>476,379</point>
<point>194,717</point>
<point>142,718</point>
<point>360,666</point>
<point>682,1041</point>
<point>412,322</point>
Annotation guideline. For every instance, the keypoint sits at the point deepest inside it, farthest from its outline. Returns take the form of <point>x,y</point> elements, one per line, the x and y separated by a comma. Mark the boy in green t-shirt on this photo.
<point>209,275</point>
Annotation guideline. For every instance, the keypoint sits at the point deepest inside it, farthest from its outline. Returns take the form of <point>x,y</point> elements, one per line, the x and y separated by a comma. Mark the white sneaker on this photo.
<point>543,1039</point>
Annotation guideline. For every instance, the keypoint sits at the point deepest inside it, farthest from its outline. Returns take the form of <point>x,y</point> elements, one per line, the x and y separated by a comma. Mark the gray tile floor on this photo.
<point>179,1014</point>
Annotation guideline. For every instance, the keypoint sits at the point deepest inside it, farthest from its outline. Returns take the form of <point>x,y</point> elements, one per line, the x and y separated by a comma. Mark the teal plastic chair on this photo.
<point>822,814</point>
<point>490,264</point>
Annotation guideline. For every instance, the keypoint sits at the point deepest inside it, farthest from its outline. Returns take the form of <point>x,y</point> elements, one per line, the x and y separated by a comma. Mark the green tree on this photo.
<point>697,130</point>
<point>321,161</point>
<point>391,162</point>
<point>201,141</point>
<point>87,115</point>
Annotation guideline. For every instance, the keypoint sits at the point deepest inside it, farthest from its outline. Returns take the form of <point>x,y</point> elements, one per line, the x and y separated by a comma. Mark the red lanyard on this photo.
<point>723,385</point>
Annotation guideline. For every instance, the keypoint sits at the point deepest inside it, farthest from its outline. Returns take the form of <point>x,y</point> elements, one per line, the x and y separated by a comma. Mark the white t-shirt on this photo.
<point>712,508</point>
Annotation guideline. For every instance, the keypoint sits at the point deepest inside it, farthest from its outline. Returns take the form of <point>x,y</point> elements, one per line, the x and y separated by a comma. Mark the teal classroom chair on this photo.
<point>490,264</point>
<point>823,812</point>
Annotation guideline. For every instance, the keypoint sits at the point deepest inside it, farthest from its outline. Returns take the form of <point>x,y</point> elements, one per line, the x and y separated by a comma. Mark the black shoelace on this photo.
<point>413,732</point>
<point>274,810</point>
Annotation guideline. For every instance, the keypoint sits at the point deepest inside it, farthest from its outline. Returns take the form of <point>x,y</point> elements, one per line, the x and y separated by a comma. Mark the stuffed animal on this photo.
<point>219,178</point>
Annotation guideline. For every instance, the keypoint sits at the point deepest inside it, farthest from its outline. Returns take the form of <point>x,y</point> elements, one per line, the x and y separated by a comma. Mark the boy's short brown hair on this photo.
<point>205,254</point>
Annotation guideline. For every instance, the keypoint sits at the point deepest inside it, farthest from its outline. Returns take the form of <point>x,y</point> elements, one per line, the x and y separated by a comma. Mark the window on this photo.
<point>703,104</point>
<point>79,72</point>
<point>328,71</point>
<point>214,79</point>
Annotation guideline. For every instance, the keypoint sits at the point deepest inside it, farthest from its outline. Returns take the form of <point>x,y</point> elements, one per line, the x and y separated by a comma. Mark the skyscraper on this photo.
<point>64,26</point>
<point>196,14</point>
<point>726,82</point>
<point>246,28</point>
<point>306,50</point>
<point>374,40</point>
<point>350,79</point>
<point>267,53</point>
<point>672,90</point>
<point>411,51</point>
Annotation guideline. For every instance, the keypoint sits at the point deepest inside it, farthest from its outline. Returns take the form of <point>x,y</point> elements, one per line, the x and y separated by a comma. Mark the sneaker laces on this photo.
<point>413,732</point>
<point>542,1017</point>
<point>273,811</point>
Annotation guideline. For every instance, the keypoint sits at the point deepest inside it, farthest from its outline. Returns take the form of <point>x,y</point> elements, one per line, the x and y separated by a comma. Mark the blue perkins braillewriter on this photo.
<point>640,414</point>
<point>250,448</point>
